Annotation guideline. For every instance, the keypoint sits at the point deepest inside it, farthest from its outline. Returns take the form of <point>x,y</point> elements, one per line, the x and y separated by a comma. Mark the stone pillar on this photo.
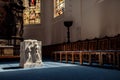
<point>30,53</point>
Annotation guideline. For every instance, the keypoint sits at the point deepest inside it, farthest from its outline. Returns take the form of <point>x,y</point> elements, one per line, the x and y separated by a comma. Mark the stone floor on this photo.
<point>56,71</point>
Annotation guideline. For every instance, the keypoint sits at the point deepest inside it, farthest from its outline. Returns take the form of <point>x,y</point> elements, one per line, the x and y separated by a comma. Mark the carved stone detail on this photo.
<point>30,53</point>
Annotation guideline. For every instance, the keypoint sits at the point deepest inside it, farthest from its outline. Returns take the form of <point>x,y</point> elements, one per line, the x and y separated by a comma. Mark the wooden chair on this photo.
<point>85,52</point>
<point>107,55</point>
<point>118,42</point>
<point>113,43</point>
<point>118,50</point>
<point>103,43</point>
<point>94,54</point>
<point>118,59</point>
<point>75,52</point>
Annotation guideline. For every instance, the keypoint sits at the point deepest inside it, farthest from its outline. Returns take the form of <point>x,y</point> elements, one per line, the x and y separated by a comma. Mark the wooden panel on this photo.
<point>3,57</point>
<point>92,44</point>
<point>103,43</point>
<point>112,43</point>
<point>8,51</point>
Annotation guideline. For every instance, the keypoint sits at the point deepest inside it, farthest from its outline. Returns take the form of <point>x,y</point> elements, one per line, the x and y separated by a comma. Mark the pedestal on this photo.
<point>30,53</point>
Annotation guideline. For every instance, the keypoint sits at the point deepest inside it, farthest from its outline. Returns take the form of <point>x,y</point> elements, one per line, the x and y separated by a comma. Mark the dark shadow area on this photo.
<point>7,61</point>
<point>97,66</point>
<point>17,67</point>
<point>105,66</point>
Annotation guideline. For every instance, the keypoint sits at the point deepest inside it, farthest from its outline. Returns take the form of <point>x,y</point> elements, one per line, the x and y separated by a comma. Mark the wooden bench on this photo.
<point>66,55</point>
<point>70,55</point>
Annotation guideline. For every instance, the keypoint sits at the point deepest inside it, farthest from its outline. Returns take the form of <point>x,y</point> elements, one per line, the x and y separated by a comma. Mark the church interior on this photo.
<point>59,39</point>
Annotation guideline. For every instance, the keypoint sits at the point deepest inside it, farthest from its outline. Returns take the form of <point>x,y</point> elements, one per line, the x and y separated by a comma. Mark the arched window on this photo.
<point>59,6</point>
<point>31,14</point>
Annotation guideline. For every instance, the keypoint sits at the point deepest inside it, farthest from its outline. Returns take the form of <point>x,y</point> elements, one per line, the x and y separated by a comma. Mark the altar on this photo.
<point>30,53</point>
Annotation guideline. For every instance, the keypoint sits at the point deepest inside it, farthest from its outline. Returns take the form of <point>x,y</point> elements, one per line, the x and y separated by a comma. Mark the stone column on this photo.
<point>30,53</point>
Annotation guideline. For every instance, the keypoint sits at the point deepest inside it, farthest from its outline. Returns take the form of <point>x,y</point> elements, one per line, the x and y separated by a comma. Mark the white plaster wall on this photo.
<point>110,25</point>
<point>50,31</point>
<point>100,19</point>
<point>41,31</point>
<point>72,12</point>
<point>47,21</point>
<point>34,32</point>
<point>77,19</point>
<point>90,19</point>
<point>58,31</point>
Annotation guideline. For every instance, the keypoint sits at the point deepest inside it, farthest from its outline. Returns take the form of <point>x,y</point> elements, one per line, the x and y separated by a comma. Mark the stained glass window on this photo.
<point>31,14</point>
<point>59,6</point>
